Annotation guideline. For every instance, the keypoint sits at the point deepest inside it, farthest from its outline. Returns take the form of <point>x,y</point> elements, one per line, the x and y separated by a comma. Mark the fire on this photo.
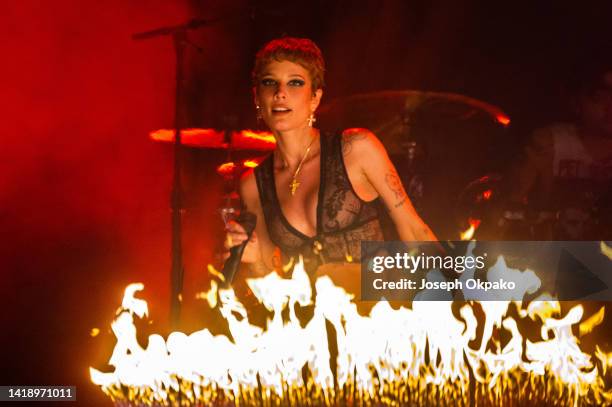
<point>468,234</point>
<point>419,356</point>
<point>606,250</point>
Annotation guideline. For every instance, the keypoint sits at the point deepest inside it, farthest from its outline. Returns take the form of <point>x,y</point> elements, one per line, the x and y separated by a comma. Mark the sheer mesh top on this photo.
<point>343,219</point>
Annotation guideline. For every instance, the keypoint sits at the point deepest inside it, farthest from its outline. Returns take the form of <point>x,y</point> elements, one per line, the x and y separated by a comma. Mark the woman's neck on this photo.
<point>292,145</point>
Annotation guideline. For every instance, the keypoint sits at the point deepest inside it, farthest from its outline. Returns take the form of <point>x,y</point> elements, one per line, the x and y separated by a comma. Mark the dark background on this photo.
<point>84,193</point>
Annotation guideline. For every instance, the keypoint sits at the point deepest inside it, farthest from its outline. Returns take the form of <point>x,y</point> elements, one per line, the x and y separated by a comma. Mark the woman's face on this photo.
<point>285,96</point>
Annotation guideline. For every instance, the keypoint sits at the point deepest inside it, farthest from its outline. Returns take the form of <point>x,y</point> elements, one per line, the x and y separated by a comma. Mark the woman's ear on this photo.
<point>316,99</point>
<point>255,97</point>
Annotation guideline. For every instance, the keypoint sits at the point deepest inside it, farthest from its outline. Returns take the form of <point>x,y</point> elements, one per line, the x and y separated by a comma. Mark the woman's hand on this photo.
<point>235,235</point>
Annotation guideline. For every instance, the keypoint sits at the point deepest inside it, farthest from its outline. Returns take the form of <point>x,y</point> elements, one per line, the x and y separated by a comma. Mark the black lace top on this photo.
<point>343,219</point>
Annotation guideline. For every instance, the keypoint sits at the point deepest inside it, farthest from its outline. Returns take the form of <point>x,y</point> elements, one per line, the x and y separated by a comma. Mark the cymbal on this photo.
<point>253,140</point>
<point>212,138</point>
<point>205,138</point>
<point>392,115</point>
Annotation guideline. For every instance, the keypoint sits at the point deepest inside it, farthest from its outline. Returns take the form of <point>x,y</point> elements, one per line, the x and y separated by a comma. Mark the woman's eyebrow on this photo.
<point>293,75</point>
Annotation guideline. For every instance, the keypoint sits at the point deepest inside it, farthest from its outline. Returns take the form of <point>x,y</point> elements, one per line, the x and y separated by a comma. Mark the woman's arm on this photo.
<point>373,174</point>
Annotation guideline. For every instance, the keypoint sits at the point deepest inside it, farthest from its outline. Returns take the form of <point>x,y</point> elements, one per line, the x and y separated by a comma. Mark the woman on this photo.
<point>316,195</point>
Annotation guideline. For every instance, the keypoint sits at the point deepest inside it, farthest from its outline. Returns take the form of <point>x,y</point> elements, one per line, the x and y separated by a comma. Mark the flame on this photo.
<point>131,304</point>
<point>215,273</point>
<point>468,234</point>
<point>419,356</point>
<point>604,358</point>
<point>606,250</point>
<point>594,320</point>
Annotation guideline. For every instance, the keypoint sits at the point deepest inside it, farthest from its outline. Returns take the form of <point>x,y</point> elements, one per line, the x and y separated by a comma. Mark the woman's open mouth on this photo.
<point>280,110</point>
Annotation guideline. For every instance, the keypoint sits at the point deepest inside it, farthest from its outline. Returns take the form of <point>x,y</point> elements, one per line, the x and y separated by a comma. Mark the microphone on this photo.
<point>247,220</point>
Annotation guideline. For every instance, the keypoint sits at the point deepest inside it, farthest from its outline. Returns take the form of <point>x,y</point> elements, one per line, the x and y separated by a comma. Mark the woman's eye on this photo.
<point>268,82</point>
<point>296,82</point>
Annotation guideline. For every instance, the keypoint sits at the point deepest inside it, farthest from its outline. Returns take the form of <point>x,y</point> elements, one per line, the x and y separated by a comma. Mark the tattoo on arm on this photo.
<point>401,202</point>
<point>395,185</point>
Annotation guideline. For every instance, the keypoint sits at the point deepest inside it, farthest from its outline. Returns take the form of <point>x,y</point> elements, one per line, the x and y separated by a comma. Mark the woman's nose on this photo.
<point>280,92</point>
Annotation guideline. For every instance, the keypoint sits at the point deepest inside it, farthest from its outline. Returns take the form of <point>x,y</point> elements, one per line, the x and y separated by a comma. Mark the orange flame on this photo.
<point>418,356</point>
<point>468,234</point>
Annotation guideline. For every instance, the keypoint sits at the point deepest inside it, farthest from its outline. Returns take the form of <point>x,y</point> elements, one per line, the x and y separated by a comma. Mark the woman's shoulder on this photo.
<point>361,141</point>
<point>356,133</point>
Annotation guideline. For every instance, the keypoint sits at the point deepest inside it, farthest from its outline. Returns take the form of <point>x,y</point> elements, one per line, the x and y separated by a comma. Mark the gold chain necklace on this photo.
<point>293,186</point>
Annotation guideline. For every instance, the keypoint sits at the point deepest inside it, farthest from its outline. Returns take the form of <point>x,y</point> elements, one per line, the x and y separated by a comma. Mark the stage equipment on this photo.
<point>229,140</point>
<point>219,139</point>
<point>180,41</point>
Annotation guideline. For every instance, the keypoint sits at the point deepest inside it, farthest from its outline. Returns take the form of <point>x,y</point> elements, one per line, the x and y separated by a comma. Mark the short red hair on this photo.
<point>301,51</point>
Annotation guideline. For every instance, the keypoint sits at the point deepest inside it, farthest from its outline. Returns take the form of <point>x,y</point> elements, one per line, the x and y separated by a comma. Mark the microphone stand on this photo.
<point>179,37</point>
<point>176,200</point>
<point>180,40</point>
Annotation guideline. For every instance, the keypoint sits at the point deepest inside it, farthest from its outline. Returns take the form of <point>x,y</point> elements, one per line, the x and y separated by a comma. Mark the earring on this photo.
<point>311,119</point>
<point>258,112</point>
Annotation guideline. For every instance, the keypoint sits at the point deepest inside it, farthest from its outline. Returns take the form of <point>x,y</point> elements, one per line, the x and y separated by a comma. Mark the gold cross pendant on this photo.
<point>294,186</point>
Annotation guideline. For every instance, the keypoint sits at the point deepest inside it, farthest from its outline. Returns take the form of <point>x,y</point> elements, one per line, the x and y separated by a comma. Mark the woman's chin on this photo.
<point>282,127</point>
